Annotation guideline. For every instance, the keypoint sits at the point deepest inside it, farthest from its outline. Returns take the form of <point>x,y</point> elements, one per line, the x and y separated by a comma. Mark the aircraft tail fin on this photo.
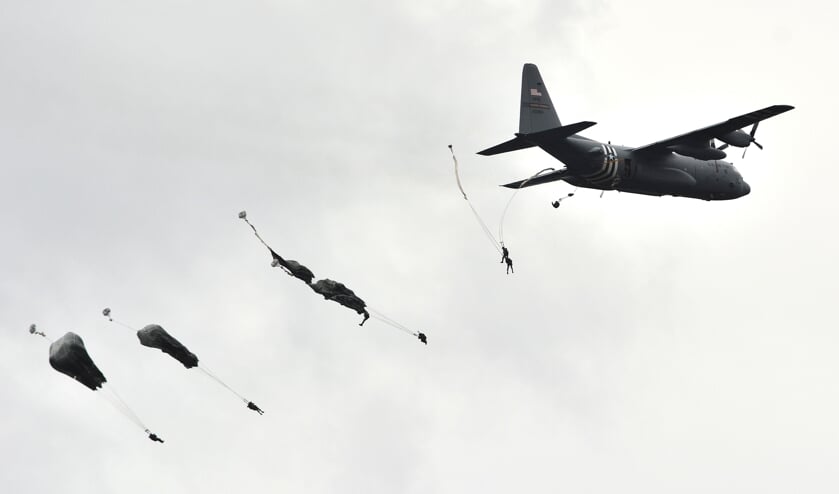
<point>537,110</point>
<point>538,123</point>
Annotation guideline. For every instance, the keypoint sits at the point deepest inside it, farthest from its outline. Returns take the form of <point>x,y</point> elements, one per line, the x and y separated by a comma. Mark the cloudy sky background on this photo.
<point>644,344</point>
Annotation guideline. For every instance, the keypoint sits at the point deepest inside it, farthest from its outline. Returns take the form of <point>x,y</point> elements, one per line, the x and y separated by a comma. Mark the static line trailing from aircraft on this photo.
<point>687,165</point>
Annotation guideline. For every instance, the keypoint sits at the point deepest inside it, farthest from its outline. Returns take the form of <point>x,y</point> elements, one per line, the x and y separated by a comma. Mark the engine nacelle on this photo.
<point>736,138</point>
<point>707,153</point>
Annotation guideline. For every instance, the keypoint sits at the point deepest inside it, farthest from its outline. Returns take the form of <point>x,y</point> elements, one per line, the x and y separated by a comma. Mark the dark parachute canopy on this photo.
<point>293,268</point>
<point>69,356</point>
<point>154,336</point>
<point>330,289</point>
<point>338,292</point>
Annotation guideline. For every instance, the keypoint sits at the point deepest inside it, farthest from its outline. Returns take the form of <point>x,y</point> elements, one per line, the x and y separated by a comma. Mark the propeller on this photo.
<point>752,139</point>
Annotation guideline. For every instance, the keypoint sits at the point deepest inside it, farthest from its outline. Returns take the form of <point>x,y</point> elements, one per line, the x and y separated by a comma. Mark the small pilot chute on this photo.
<point>69,356</point>
<point>330,289</point>
<point>154,336</point>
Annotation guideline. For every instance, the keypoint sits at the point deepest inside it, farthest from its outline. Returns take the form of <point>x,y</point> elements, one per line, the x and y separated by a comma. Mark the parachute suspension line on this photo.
<point>480,220</point>
<point>244,215</point>
<point>510,201</point>
<point>390,322</point>
<point>110,394</point>
<point>107,313</point>
<point>216,379</point>
<point>485,228</point>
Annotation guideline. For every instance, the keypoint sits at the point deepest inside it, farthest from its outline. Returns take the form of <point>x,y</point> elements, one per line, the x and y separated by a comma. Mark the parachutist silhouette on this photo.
<point>422,338</point>
<point>510,265</point>
<point>505,254</point>
<point>255,408</point>
<point>154,437</point>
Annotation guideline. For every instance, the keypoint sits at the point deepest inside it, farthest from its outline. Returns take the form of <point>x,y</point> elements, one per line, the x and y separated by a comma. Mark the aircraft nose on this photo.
<point>745,188</point>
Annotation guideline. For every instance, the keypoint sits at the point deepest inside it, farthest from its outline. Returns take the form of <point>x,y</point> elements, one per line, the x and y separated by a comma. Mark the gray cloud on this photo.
<point>648,344</point>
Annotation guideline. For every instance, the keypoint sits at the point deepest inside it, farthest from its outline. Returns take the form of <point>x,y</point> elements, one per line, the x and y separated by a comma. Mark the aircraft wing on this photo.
<point>705,134</point>
<point>541,179</point>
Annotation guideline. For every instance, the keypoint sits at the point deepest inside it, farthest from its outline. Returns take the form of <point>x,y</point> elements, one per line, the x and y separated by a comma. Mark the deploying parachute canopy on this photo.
<point>338,292</point>
<point>330,289</point>
<point>69,356</point>
<point>154,336</point>
<point>499,243</point>
<point>293,268</point>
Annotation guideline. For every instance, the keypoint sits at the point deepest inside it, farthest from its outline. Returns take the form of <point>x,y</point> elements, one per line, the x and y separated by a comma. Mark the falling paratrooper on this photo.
<point>69,356</point>
<point>154,336</point>
<point>329,289</point>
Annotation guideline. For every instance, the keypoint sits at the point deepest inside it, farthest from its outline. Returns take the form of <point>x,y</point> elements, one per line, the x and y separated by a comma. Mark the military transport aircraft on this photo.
<point>688,165</point>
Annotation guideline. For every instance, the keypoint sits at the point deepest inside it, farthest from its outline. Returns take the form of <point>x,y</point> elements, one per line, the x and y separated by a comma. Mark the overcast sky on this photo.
<point>645,345</point>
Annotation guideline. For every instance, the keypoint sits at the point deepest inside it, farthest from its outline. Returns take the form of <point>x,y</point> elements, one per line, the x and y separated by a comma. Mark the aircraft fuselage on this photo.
<point>596,165</point>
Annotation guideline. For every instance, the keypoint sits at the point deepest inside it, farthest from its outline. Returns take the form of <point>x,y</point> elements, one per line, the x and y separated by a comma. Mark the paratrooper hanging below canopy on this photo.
<point>69,356</point>
<point>154,336</point>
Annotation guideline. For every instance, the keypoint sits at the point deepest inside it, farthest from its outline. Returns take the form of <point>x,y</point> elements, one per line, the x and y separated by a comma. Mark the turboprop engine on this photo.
<point>705,153</point>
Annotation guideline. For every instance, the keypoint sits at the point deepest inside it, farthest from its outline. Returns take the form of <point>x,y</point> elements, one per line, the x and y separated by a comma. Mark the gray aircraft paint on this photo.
<point>688,165</point>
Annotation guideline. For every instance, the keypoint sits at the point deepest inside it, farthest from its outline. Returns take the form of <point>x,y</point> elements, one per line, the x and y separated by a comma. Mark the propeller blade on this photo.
<point>752,139</point>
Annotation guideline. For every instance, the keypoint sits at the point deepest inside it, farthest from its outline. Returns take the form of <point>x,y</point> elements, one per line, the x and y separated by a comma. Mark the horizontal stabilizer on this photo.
<point>556,133</point>
<point>506,147</point>
<point>524,141</point>
<point>541,179</point>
